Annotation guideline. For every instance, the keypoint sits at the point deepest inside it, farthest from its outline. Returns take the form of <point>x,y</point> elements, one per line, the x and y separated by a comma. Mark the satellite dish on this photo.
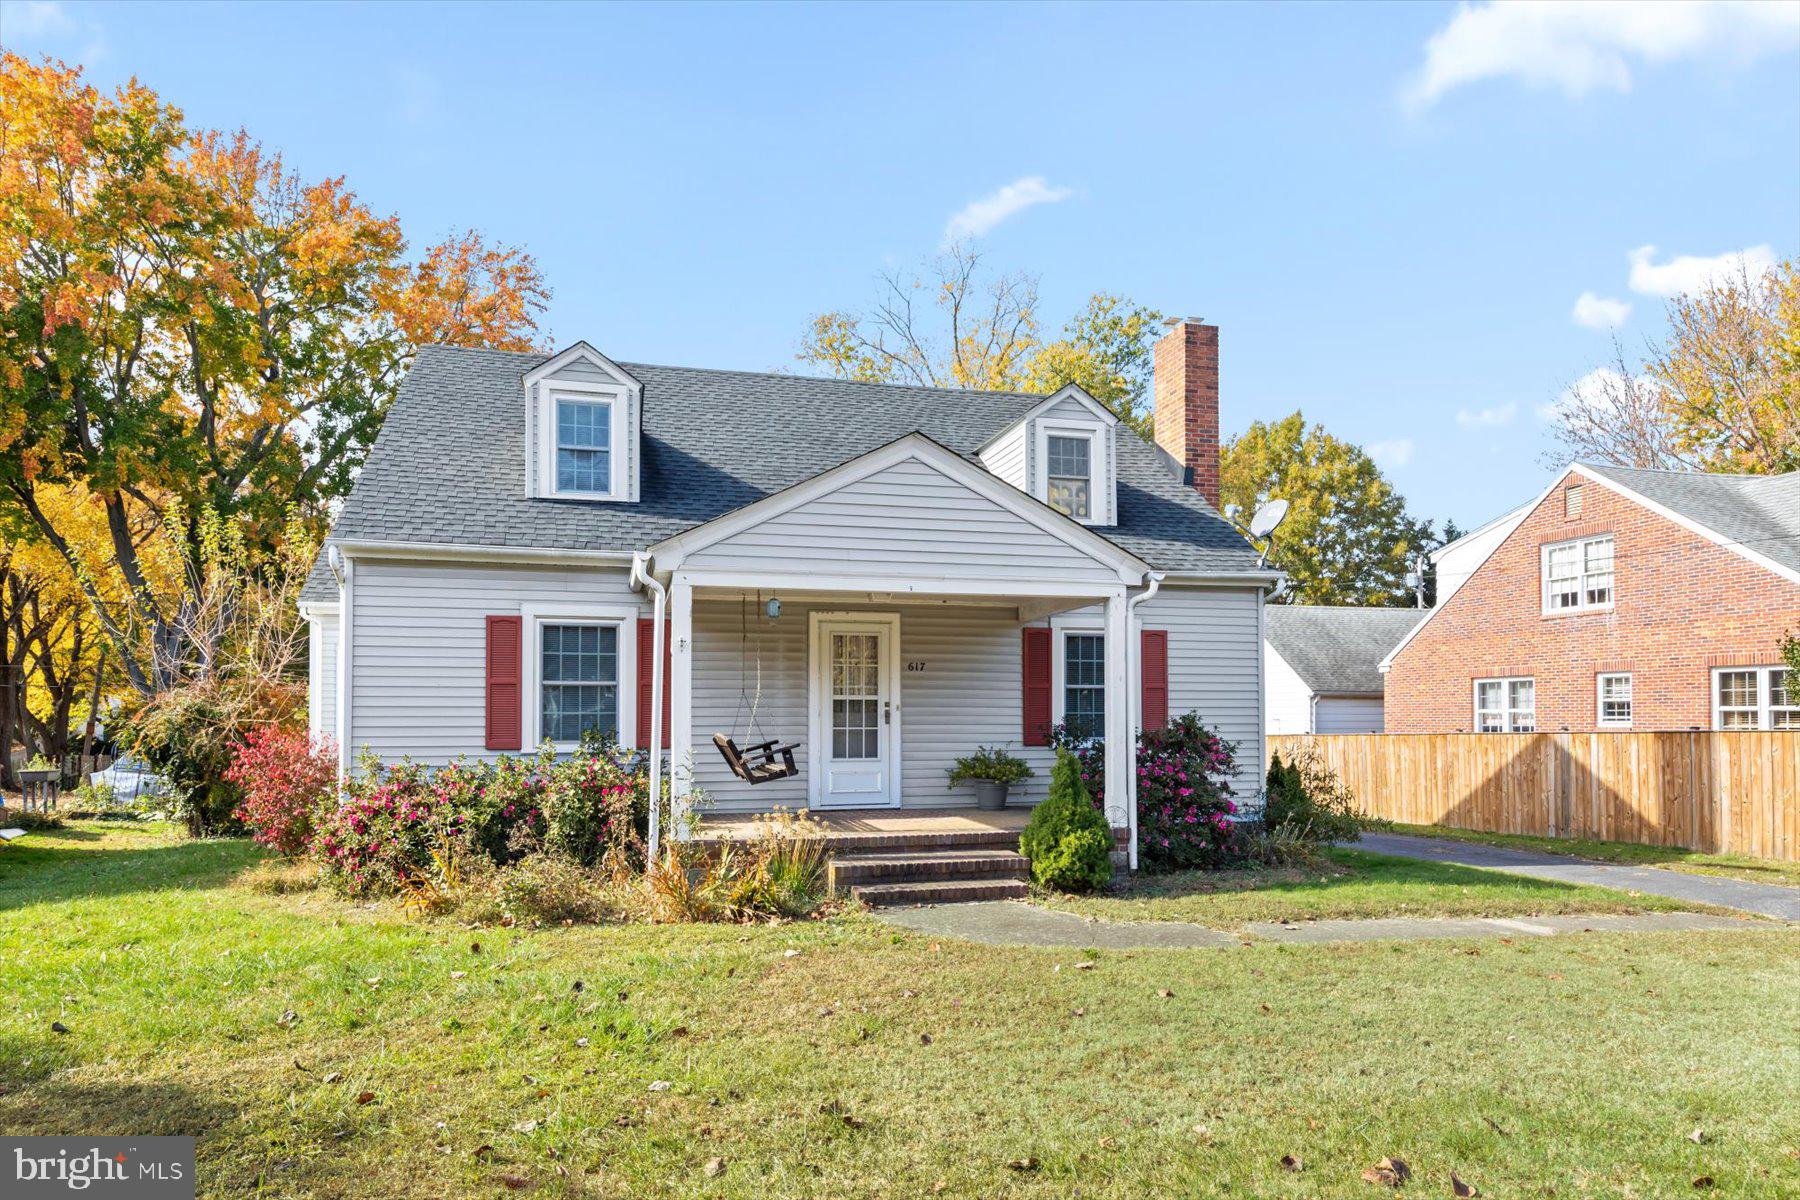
<point>1268,518</point>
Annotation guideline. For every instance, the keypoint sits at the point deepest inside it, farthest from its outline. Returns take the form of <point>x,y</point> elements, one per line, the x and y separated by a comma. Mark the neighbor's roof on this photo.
<point>1759,514</point>
<point>449,465</point>
<point>1335,650</point>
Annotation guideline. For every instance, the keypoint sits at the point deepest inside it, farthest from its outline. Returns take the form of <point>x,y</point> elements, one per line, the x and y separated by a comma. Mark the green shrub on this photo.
<point>190,734</point>
<point>551,889</point>
<point>1305,798</point>
<point>30,822</point>
<point>1068,840</point>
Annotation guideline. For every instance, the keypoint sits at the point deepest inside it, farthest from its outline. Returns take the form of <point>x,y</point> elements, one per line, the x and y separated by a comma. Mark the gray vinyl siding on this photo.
<point>419,646</point>
<point>909,514</point>
<point>1349,714</point>
<point>322,674</point>
<point>1006,458</point>
<point>1215,667</point>
<point>1289,700</point>
<point>967,694</point>
<point>1068,409</point>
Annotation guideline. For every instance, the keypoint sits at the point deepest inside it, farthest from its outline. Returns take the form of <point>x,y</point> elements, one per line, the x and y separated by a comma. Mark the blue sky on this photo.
<point>1392,212</point>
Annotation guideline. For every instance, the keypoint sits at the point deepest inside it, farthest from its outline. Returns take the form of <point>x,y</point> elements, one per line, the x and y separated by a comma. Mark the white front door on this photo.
<point>855,712</point>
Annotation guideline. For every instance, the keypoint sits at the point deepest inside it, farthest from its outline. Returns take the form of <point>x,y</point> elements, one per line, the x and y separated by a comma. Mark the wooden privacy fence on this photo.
<point>1716,792</point>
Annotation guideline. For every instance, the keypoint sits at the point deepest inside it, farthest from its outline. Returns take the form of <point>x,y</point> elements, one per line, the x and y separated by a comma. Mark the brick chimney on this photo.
<point>1187,401</point>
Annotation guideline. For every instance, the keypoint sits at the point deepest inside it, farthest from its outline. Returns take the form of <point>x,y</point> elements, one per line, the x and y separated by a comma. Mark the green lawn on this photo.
<point>1734,866</point>
<point>1348,884</point>
<point>866,1063</point>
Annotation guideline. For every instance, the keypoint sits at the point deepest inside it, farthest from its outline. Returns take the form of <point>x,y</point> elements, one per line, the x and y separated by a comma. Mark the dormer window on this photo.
<point>1070,467</point>
<point>585,413</point>
<point>583,446</point>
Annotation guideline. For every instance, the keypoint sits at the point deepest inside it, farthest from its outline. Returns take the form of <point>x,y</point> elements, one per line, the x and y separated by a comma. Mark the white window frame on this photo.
<point>1600,718</point>
<point>1581,575</point>
<point>1764,708</point>
<point>1508,712</point>
<point>1060,629</point>
<point>617,399</point>
<point>1100,468</point>
<point>535,618</point>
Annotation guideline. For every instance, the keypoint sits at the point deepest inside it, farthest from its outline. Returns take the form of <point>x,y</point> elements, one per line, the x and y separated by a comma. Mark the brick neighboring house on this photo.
<point>1619,599</point>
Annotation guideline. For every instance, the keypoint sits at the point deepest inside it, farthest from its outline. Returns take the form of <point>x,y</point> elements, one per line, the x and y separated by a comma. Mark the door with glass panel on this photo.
<point>855,717</point>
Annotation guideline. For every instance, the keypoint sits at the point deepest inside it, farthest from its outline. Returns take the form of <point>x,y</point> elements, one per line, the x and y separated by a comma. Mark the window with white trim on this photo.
<point>584,446</point>
<point>1613,699</point>
<point>1069,470</point>
<point>1756,698</point>
<point>1506,705</point>
<point>578,680</point>
<point>1578,575</point>
<point>1084,684</point>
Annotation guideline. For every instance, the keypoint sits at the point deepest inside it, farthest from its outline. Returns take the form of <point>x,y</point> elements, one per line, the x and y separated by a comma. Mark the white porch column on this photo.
<point>681,705</point>
<point>1121,747</point>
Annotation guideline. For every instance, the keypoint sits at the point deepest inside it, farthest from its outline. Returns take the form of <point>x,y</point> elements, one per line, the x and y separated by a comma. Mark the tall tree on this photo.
<point>1348,538</point>
<point>952,324</point>
<point>1721,392</point>
<point>188,328</point>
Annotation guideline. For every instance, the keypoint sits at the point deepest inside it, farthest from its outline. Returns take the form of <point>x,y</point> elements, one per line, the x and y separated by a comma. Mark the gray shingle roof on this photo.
<point>1759,512</point>
<point>1335,650</point>
<point>449,465</point>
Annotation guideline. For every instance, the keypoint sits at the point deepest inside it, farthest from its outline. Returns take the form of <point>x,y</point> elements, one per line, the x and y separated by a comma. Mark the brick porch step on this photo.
<point>940,892</point>
<point>850,870</point>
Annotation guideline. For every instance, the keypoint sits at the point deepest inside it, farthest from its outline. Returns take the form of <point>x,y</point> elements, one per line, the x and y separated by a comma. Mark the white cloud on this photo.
<point>37,18</point>
<point>1578,47</point>
<point>980,216</point>
<point>1694,273</point>
<point>1600,312</point>
<point>1599,390</point>
<point>1487,418</point>
<point>1395,452</point>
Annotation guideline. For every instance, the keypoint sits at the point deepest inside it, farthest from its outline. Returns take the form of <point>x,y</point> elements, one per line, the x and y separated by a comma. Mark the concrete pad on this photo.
<point>1011,923</point>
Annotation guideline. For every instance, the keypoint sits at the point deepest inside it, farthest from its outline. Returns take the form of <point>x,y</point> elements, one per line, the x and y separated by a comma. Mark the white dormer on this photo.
<point>583,414</point>
<point>1063,452</point>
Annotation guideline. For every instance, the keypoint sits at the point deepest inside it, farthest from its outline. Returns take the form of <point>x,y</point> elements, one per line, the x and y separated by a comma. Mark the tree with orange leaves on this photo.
<point>189,331</point>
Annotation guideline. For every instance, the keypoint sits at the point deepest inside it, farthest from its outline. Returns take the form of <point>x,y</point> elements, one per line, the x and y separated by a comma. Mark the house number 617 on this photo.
<point>916,665</point>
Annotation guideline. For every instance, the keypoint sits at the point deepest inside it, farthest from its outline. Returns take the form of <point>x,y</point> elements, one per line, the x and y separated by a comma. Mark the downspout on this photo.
<point>639,575</point>
<point>1134,669</point>
<point>344,567</point>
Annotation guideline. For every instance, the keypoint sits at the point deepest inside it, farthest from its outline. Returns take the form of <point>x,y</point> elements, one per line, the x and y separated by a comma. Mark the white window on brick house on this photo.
<point>1614,699</point>
<point>1756,698</point>
<point>1506,705</point>
<point>1578,575</point>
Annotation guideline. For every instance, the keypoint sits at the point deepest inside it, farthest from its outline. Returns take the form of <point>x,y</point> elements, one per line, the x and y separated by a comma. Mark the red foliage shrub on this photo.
<point>284,779</point>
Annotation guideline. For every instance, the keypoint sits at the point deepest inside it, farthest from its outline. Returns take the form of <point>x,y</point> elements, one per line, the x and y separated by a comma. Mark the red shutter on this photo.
<point>1154,663</point>
<point>1037,686</point>
<point>503,698</point>
<point>646,651</point>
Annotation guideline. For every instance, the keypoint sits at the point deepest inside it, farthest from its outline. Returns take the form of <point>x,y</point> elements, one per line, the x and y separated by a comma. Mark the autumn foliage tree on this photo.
<point>952,324</point>
<point>189,331</point>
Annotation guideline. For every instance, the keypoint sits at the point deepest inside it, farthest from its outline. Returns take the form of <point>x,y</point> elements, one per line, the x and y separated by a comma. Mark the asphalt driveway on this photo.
<point>1763,899</point>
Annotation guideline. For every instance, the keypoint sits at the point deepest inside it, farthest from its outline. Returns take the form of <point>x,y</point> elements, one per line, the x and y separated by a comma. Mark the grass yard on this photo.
<point>1732,866</point>
<point>841,1058</point>
<point>1350,883</point>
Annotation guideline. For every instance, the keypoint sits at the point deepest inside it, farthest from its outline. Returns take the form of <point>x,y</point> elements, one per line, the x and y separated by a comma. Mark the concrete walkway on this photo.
<point>1012,923</point>
<point>1763,899</point>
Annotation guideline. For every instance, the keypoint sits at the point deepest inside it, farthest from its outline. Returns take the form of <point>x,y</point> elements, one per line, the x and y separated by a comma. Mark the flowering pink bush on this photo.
<point>382,831</point>
<point>283,779</point>
<point>1184,797</point>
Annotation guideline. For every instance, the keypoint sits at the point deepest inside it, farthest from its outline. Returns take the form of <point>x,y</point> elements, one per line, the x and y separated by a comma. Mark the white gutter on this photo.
<point>344,567</point>
<point>1134,658</point>
<point>640,575</point>
<point>479,553</point>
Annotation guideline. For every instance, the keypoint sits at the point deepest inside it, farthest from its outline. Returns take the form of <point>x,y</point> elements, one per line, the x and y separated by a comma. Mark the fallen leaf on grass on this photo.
<point>474,947</point>
<point>515,1183</point>
<point>483,1150</point>
<point>365,1098</point>
<point>525,1126</point>
<point>1084,966</point>
<point>1165,993</point>
<point>1291,1163</point>
<point>1392,1172</point>
<point>1023,1164</point>
<point>459,974</point>
<point>298,1067</point>
<point>1461,1189</point>
<point>1703,1183</point>
<point>924,1039</point>
<point>58,1027</point>
<point>335,1077</point>
<point>1495,1126</point>
<point>581,1043</point>
<point>287,1018</point>
<point>661,1085</point>
<point>715,1167</point>
<point>1698,1137</point>
<point>1109,1143</point>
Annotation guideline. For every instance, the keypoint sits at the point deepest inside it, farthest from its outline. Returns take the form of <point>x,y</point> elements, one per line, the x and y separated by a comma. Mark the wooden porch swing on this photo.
<point>760,762</point>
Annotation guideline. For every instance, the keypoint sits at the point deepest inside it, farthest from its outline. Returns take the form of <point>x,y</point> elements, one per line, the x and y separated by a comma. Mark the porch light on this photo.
<point>773,607</point>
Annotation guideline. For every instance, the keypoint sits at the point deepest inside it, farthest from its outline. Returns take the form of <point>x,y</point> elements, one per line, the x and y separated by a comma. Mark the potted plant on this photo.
<point>992,770</point>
